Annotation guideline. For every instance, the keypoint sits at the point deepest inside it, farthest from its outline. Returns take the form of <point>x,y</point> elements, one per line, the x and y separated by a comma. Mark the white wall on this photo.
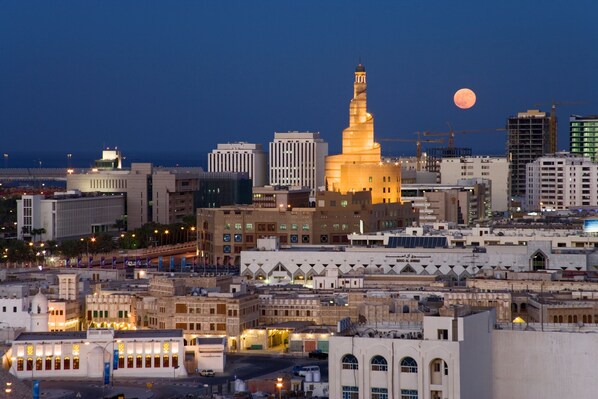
<point>547,365</point>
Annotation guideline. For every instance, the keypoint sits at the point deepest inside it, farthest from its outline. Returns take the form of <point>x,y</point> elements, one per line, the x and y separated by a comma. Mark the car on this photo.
<point>207,373</point>
<point>318,354</point>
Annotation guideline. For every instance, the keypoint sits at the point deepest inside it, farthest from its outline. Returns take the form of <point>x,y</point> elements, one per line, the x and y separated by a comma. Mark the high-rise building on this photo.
<point>583,136</point>
<point>528,139</point>
<point>495,169</point>
<point>297,159</point>
<point>240,157</point>
<point>561,181</point>
<point>359,167</point>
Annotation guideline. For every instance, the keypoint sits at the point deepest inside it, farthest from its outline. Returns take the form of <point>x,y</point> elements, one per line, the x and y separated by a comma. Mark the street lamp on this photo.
<point>279,386</point>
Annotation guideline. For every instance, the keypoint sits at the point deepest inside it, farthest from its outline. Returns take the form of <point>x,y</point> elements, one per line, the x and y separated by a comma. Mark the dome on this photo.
<point>39,303</point>
<point>360,68</point>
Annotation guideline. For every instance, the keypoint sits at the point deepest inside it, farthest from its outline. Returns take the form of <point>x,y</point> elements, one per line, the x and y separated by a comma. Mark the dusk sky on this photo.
<point>186,75</point>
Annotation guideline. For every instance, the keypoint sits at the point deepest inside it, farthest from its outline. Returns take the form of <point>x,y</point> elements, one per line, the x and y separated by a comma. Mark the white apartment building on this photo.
<point>240,157</point>
<point>495,169</point>
<point>465,355</point>
<point>442,360</point>
<point>68,215</point>
<point>298,159</point>
<point>561,181</point>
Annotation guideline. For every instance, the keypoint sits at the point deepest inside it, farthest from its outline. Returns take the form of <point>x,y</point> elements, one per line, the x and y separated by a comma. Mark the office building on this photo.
<point>298,159</point>
<point>528,139</point>
<point>583,136</point>
<point>164,195</point>
<point>240,157</point>
<point>560,182</point>
<point>495,169</point>
<point>359,167</point>
<point>68,215</point>
<point>223,233</point>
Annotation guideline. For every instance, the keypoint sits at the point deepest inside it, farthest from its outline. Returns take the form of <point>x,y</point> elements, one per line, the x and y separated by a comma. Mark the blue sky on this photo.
<point>185,75</point>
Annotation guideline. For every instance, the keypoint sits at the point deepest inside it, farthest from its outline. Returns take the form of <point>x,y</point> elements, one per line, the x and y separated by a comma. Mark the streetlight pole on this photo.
<point>279,386</point>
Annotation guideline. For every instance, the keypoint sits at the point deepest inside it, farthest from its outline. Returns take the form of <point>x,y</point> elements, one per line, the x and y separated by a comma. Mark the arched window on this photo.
<point>408,365</point>
<point>379,363</point>
<point>539,261</point>
<point>349,362</point>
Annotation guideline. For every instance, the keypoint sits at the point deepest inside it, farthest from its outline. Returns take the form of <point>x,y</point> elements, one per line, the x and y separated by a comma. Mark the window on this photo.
<point>48,365</point>
<point>226,237</point>
<point>379,363</point>
<point>282,226</point>
<point>75,363</point>
<point>29,364</point>
<point>139,362</point>
<point>121,362</point>
<point>442,334</point>
<point>248,226</point>
<point>157,361</point>
<point>409,394</point>
<point>238,226</point>
<point>67,363</point>
<point>130,361</point>
<point>20,364</point>
<point>175,361</point>
<point>166,361</point>
<point>350,392</point>
<point>349,362</point>
<point>38,363</point>
<point>408,365</point>
<point>379,393</point>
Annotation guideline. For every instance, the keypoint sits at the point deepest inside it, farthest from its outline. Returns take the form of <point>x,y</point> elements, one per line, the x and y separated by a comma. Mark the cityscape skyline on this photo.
<point>139,77</point>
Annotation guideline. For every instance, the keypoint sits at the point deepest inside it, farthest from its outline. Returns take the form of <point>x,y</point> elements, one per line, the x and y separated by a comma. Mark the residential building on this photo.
<point>495,169</point>
<point>463,354</point>
<point>528,139</point>
<point>240,157</point>
<point>68,286</point>
<point>583,136</point>
<point>64,315</point>
<point>359,167</point>
<point>297,159</point>
<point>68,215</point>
<point>447,357</point>
<point>561,181</point>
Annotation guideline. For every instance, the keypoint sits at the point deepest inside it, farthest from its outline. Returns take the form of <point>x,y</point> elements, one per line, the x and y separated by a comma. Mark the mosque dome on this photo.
<point>39,303</point>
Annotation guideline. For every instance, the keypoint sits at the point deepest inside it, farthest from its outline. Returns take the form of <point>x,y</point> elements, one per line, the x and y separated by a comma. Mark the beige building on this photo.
<point>224,232</point>
<point>110,310</point>
<point>495,169</point>
<point>64,316</point>
<point>501,301</point>
<point>359,166</point>
<point>222,308</point>
<point>172,194</point>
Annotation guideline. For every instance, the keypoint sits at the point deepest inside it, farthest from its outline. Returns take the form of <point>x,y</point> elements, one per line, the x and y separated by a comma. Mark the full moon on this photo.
<point>464,98</point>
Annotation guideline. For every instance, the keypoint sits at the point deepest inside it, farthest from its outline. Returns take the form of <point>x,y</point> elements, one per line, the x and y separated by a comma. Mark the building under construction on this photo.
<point>435,155</point>
<point>528,139</point>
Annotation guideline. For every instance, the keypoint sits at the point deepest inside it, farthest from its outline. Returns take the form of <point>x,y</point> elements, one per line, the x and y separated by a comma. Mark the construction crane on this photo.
<point>451,134</point>
<point>418,143</point>
<point>552,123</point>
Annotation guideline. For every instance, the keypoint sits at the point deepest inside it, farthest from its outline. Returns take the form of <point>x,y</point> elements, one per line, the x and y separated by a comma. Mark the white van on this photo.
<point>307,369</point>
